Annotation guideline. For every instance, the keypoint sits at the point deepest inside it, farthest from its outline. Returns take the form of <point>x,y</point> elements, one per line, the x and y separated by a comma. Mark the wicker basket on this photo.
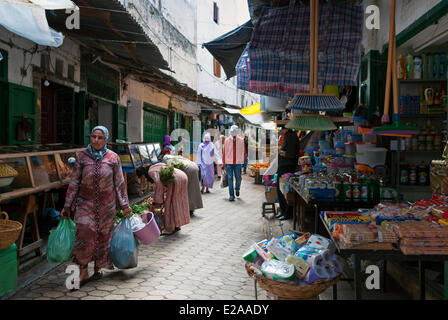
<point>9,230</point>
<point>283,291</point>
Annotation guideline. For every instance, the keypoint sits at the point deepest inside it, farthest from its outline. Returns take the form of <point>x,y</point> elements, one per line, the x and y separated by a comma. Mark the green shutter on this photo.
<point>154,123</point>
<point>4,66</point>
<point>17,101</point>
<point>120,122</point>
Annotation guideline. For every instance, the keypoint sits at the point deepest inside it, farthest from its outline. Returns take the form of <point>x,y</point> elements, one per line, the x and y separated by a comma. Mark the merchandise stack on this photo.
<point>360,236</point>
<point>421,237</point>
<point>296,260</point>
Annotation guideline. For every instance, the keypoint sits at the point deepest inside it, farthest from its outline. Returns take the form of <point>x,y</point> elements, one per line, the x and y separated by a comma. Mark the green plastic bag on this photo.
<point>61,241</point>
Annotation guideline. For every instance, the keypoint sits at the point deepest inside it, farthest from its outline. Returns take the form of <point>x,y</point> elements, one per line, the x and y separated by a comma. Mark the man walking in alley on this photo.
<point>233,157</point>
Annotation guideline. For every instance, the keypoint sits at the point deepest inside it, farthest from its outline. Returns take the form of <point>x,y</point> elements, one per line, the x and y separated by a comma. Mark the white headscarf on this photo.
<point>234,130</point>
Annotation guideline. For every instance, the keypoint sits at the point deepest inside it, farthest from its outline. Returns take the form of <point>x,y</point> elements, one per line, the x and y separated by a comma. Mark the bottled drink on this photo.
<point>356,193</point>
<point>347,190</point>
<point>364,183</point>
<point>412,175</point>
<point>409,66</point>
<point>422,173</point>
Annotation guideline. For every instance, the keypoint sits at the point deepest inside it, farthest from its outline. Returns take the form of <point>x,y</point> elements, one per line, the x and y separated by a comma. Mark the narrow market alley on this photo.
<point>201,262</point>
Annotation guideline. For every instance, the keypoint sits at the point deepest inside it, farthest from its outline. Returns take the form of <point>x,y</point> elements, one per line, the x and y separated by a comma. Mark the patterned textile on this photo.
<point>96,191</point>
<point>279,51</point>
<point>176,213</point>
<point>243,70</point>
<point>96,154</point>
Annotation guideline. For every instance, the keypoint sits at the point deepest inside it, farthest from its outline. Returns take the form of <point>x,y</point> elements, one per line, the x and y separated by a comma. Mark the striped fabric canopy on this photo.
<point>279,51</point>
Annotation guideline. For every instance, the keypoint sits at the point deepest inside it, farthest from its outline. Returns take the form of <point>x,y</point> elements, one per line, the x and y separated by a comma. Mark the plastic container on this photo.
<point>369,138</point>
<point>354,138</point>
<point>350,148</point>
<point>340,148</point>
<point>8,269</point>
<point>417,67</point>
<point>372,157</point>
<point>349,159</point>
<point>278,270</point>
<point>150,233</point>
<point>324,144</point>
<point>360,147</point>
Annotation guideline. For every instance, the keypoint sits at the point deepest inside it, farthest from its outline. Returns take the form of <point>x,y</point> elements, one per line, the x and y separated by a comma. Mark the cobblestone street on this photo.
<point>203,261</point>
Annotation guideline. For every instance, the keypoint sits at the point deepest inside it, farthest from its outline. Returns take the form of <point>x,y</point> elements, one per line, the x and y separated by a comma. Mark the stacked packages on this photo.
<point>303,260</point>
<point>421,237</point>
<point>366,237</point>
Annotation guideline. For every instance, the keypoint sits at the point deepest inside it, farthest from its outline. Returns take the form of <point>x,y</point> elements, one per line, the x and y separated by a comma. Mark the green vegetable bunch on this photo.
<point>178,164</point>
<point>136,209</point>
<point>167,174</point>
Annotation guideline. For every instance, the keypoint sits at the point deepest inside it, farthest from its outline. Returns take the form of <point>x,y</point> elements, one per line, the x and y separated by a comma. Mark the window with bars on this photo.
<point>216,68</point>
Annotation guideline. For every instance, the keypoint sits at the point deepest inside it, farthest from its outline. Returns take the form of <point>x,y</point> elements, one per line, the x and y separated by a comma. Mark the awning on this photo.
<point>27,19</point>
<point>227,48</point>
<point>109,29</point>
<point>260,119</point>
<point>251,110</point>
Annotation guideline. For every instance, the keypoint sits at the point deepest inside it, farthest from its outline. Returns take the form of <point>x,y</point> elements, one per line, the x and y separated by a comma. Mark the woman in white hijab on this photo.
<point>204,160</point>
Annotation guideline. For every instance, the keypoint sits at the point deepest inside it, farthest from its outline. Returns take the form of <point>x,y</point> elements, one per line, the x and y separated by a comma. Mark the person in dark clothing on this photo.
<point>287,162</point>
<point>246,152</point>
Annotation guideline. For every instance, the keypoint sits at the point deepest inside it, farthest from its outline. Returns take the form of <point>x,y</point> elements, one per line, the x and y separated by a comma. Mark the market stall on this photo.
<point>28,174</point>
<point>133,156</point>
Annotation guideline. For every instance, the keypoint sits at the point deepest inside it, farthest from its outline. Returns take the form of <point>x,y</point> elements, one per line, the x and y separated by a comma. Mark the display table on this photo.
<point>386,255</point>
<point>299,200</point>
<point>135,155</point>
<point>38,169</point>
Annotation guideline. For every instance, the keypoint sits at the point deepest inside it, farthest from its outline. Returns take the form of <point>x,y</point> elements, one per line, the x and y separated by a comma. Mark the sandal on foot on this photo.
<point>97,276</point>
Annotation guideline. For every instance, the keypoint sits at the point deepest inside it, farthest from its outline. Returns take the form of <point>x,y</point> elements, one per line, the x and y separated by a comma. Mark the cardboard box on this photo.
<point>271,194</point>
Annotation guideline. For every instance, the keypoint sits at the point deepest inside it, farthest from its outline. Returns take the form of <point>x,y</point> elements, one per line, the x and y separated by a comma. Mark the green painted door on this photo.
<point>18,107</point>
<point>154,125</point>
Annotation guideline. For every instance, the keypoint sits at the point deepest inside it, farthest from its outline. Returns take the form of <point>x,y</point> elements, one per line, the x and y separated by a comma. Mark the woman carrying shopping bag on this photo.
<point>96,192</point>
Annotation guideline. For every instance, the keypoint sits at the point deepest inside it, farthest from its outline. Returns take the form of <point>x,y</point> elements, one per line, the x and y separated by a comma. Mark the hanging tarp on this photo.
<point>276,62</point>
<point>27,19</point>
<point>227,48</point>
<point>44,4</point>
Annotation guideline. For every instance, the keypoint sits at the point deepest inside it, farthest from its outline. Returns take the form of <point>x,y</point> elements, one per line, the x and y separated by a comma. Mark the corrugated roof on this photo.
<point>106,26</point>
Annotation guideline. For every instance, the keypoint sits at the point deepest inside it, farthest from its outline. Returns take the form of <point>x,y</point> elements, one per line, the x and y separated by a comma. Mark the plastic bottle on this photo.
<point>422,174</point>
<point>430,66</point>
<point>375,188</point>
<point>424,66</point>
<point>347,190</point>
<point>404,173</point>
<point>412,175</point>
<point>417,67</point>
<point>443,65</point>
<point>436,65</point>
<point>409,66</point>
<point>337,189</point>
<point>356,192</point>
<point>401,66</point>
<point>364,187</point>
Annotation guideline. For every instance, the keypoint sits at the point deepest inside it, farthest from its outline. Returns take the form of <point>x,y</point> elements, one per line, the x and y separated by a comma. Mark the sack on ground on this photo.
<point>61,241</point>
<point>124,246</point>
<point>224,180</point>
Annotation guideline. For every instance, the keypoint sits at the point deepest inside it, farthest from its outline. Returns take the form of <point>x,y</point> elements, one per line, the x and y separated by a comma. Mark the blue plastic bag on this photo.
<point>61,241</point>
<point>124,246</point>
